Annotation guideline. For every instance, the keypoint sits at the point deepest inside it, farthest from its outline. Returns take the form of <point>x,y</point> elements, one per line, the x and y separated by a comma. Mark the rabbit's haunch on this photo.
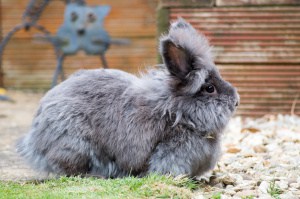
<point>110,123</point>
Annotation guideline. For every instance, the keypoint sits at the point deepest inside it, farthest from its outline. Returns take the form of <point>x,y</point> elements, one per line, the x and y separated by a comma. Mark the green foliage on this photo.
<point>216,195</point>
<point>274,190</point>
<point>248,197</point>
<point>153,186</point>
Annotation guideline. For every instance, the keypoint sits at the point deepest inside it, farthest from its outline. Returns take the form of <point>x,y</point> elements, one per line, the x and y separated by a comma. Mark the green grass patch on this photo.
<point>216,195</point>
<point>153,186</point>
<point>274,190</point>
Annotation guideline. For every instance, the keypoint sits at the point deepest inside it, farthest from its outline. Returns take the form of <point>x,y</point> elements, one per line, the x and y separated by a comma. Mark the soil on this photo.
<point>15,120</point>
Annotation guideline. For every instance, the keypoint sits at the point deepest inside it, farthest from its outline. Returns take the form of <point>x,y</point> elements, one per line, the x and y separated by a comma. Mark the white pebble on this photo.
<point>295,185</point>
<point>282,184</point>
<point>298,180</point>
<point>288,195</point>
<point>263,187</point>
<point>200,196</point>
<point>265,196</point>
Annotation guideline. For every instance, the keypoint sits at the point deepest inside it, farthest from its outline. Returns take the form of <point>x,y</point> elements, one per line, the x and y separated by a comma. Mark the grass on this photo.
<point>153,186</point>
<point>248,197</point>
<point>274,190</point>
<point>216,195</point>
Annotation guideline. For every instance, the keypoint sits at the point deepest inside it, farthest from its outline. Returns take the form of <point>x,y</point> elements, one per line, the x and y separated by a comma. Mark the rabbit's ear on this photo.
<point>178,61</point>
<point>182,24</point>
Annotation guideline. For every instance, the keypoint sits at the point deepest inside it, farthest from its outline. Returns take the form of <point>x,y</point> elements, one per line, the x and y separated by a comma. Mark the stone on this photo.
<point>298,180</point>
<point>292,180</point>
<point>295,185</point>
<point>263,187</point>
<point>296,192</point>
<point>229,187</point>
<point>233,150</point>
<point>231,179</point>
<point>246,177</point>
<point>219,185</point>
<point>245,193</point>
<point>271,147</point>
<point>200,196</point>
<point>223,196</point>
<point>255,140</point>
<point>259,149</point>
<point>265,196</point>
<point>248,184</point>
<point>283,185</point>
<point>288,195</point>
<point>229,191</point>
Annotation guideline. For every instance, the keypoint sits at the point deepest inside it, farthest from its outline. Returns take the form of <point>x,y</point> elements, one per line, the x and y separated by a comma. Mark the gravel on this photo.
<point>261,157</point>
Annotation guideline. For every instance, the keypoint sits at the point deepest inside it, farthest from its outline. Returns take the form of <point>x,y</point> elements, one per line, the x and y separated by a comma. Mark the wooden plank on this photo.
<point>186,3</point>
<point>30,64</point>
<point>139,21</point>
<point>22,70</point>
<point>256,2</point>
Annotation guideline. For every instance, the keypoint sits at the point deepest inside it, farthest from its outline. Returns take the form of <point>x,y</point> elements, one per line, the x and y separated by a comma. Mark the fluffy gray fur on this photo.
<point>113,124</point>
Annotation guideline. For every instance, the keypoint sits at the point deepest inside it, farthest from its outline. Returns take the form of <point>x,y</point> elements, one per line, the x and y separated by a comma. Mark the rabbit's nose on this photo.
<point>237,103</point>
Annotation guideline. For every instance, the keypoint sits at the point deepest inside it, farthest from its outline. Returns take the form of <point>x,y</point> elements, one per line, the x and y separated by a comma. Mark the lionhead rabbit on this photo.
<point>112,124</point>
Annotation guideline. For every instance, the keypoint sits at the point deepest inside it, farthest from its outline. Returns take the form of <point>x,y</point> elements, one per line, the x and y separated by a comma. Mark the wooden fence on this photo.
<point>256,45</point>
<point>30,64</point>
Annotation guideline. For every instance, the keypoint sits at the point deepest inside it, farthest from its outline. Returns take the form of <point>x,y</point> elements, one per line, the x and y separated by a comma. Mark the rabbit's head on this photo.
<point>201,98</point>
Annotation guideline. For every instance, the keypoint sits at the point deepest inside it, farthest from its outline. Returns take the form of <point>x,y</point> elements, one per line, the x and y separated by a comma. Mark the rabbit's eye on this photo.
<point>210,88</point>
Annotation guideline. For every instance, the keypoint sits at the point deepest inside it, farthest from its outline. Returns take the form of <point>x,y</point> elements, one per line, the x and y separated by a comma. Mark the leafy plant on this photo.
<point>248,197</point>
<point>274,190</point>
<point>216,195</point>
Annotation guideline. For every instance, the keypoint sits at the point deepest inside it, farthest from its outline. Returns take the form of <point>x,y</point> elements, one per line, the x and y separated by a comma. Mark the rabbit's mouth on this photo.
<point>232,104</point>
<point>232,109</point>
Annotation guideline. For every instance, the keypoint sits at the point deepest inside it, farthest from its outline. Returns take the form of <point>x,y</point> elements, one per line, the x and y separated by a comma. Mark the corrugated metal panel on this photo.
<point>256,2</point>
<point>258,50</point>
<point>30,64</point>
<point>1,72</point>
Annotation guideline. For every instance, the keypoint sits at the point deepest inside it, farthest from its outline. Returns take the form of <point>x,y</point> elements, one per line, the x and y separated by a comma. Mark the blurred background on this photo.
<point>256,45</point>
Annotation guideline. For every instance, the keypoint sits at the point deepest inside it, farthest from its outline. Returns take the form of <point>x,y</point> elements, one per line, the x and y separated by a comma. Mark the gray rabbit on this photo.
<point>111,123</point>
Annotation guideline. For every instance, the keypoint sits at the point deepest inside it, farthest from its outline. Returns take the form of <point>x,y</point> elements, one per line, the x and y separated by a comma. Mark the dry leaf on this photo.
<point>259,149</point>
<point>266,163</point>
<point>233,150</point>
<point>248,155</point>
<point>250,130</point>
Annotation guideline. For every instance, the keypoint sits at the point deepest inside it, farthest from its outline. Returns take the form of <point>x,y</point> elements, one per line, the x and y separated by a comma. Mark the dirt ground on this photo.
<point>257,154</point>
<point>15,120</point>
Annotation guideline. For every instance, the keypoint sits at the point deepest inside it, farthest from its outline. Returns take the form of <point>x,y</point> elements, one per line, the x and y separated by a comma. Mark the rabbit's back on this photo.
<point>111,123</point>
<point>71,121</point>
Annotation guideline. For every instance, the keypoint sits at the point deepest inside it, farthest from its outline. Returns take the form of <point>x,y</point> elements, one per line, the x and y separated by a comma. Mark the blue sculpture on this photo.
<point>31,15</point>
<point>82,30</point>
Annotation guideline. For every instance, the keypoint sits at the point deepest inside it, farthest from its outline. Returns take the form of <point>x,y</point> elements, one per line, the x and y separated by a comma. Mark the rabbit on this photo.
<point>110,123</point>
